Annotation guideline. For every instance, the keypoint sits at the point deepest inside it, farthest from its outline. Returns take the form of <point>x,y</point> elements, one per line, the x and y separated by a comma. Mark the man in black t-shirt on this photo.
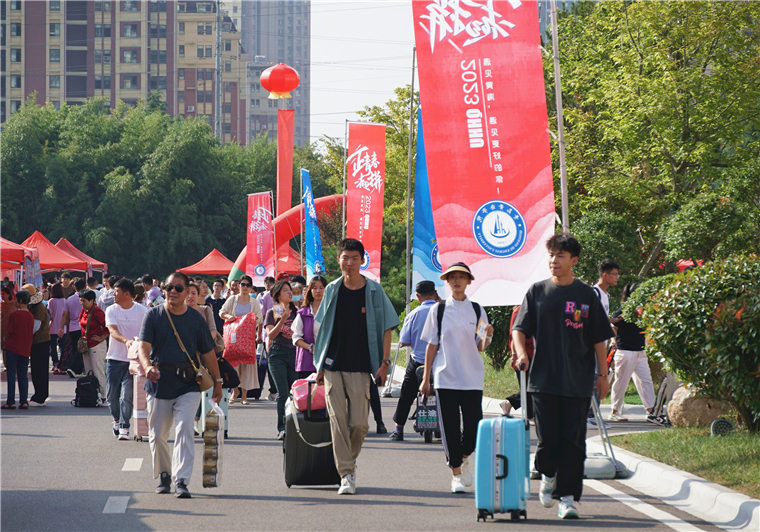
<point>216,300</point>
<point>569,328</point>
<point>172,399</point>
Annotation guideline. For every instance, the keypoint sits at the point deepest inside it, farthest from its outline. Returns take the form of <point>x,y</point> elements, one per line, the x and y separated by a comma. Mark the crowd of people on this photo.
<point>340,331</point>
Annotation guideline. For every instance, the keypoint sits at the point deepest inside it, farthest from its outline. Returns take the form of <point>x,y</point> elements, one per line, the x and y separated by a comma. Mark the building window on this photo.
<point>15,29</point>
<point>182,50</point>
<point>227,26</point>
<point>227,46</point>
<point>55,55</point>
<point>199,75</point>
<point>55,82</point>
<point>55,5</point>
<point>102,82</point>
<point>15,104</point>
<point>15,5</point>
<point>209,30</point>
<point>181,73</point>
<point>181,96</point>
<point>272,103</point>
<point>209,74</point>
<point>200,51</point>
<point>234,9</point>
<point>182,27</point>
<point>228,107</point>
<point>255,87</point>
<point>157,82</point>
<point>227,127</point>
<point>228,66</point>
<point>204,8</point>
<point>102,30</point>
<point>129,56</point>
<point>55,30</point>
<point>181,8</point>
<point>158,6</point>
<point>209,97</point>
<point>98,56</point>
<point>130,82</point>
<point>158,31</point>
<point>200,97</point>
<point>107,56</point>
<point>158,56</point>
<point>200,28</point>
<point>256,103</point>
<point>209,53</point>
<point>131,7</point>
<point>130,31</point>
<point>227,86</point>
<point>15,81</point>
<point>15,55</point>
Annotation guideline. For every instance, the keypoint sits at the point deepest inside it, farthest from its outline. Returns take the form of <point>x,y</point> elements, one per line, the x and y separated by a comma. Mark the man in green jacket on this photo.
<point>352,346</point>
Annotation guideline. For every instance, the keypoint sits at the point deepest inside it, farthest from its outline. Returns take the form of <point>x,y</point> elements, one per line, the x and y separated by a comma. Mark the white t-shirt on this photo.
<point>129,323</point>
<point>604,297</point>
<point>458,364</point>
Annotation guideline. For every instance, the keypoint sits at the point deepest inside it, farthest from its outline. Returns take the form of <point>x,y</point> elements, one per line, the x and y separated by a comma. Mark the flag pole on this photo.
<point>560,121</point>
<point>345,161</point>
<point>409,182</point>
<point>301,228</point>
<point>274,235</point>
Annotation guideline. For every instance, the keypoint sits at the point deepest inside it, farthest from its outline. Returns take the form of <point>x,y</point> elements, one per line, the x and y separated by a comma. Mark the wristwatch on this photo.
<point>220,380</point>
<point>387,361</point>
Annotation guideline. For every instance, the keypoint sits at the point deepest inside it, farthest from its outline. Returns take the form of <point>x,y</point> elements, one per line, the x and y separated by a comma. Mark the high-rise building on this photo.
<point>67,51</point>
<point>277,31</point>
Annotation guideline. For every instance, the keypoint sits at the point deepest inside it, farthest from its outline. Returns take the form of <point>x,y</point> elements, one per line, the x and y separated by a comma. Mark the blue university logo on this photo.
<point>365,264</point>
<point>435,259</point>
<point>317,267</point>
<point>499,229</point>
<point>260,270</point>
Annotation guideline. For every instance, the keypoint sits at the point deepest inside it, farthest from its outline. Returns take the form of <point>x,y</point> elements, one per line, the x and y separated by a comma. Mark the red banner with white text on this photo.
<point>260,255</point>
<point>486,141</point>
<point>365,189</point>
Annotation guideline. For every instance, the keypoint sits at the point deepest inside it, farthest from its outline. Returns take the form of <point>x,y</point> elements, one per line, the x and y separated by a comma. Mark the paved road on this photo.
<point>61,465</point>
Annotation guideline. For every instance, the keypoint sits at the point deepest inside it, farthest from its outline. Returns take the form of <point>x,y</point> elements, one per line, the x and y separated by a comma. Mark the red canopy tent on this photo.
<point>212,264</point>
<point>51,258</point>
<point>15,254</point>
<point>67,247</point>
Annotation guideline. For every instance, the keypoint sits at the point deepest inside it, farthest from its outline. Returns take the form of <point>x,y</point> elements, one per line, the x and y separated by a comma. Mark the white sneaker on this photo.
<point>506,408</point>
<point>347,485</point>
<point>466,472</point>
<point>567,508</point>
<point>457,484</point>
<point>115,429</point>
<point>545,491</point>
<point>272,397</point>
<point>615,417</point>
<point>123,433</point>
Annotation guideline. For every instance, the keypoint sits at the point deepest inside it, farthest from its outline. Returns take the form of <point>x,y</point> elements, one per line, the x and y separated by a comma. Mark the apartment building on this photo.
<point>69,50</point>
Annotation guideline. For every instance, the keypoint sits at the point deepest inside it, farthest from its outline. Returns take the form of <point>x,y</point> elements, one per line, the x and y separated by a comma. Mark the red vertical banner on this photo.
<point>260,242</point>
<point>486,141</point>
<point>285,123</point>
<point>365,190</point>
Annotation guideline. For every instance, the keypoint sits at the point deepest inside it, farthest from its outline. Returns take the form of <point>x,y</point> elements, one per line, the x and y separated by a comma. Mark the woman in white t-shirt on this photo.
<point>453,358</point>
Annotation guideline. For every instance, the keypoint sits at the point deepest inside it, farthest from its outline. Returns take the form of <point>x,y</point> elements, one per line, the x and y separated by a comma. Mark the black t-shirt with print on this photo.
<point>565,323</point>
<point>630,337</point>
<point>349,347</point>
<point>285,337</point>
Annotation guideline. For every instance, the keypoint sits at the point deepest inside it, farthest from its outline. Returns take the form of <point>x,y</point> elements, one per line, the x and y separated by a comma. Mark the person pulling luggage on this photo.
<point>456,330</point>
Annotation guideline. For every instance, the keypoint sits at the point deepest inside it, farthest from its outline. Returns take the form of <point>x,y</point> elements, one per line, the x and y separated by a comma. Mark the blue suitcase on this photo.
<point>502,464</point>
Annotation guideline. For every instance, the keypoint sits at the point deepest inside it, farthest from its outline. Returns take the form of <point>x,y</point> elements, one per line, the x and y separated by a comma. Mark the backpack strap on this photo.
<point>440,310</point>
<point>598,292</point>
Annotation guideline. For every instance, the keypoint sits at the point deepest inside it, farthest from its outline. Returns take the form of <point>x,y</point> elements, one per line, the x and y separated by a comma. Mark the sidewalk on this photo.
<point>721,506</point>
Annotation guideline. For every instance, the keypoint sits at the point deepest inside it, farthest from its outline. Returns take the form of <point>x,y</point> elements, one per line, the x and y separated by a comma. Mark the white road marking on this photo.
<point>132,464</point>
<point>116,505</point>
<point>640,506</point>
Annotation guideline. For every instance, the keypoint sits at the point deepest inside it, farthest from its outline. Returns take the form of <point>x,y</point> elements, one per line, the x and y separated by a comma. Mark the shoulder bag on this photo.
<point>202,376</point>
<point>82,345</point>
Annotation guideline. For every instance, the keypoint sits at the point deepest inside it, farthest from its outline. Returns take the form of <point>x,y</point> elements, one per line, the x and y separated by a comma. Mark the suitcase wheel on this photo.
<point>438,434</point>
<point>428,436</point>
<point>484,515</point>
<point>514,515</point>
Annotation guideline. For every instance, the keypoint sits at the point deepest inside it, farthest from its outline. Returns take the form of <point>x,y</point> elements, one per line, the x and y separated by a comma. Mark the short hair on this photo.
<point>246,278</point>
<point>607,265</point>
<point>269,279</point>
<point>91,281</point>
<point>179,275</point>
<point>23,297</point>
<point>277,288</point>
<point>112,280</point>
<point>80,284</point>
<point>351,244</point>
<point>564,242</point>
<point>66,275</point>
<point>298,279</point>
<point>56,292</point>
<point>87,294</point>
<point>235,281</point>
<point>220,281</point>
<point>294,286</point>
<point>125,285</point>
<point>147,279</point>
<point>193,284</point>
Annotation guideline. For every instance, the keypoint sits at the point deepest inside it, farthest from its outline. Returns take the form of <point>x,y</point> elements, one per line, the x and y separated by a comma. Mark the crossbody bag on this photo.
<point>202,376</point>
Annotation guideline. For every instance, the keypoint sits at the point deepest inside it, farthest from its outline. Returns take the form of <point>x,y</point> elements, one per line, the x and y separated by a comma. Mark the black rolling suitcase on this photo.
<point>307,447</point>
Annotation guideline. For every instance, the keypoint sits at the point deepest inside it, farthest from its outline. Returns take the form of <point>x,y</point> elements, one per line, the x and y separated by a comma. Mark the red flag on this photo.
<point>365,188</point>
<point>486,141</point>
<point>259,258</point>
<point>285,121</point>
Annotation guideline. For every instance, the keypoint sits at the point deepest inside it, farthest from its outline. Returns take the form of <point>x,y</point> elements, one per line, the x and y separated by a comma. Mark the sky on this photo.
<point>360,52</point>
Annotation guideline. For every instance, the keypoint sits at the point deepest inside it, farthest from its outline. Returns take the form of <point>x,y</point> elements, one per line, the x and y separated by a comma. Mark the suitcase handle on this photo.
<point>524,397</point>
<point>505,466</point>
<point>309,384</point>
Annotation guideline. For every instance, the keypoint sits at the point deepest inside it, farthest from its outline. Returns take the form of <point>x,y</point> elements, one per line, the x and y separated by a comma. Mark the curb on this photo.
<point>716,504</point>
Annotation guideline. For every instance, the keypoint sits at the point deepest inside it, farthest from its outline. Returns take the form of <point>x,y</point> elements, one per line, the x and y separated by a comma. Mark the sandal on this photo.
<point>24,406</point>
<point>6,406</point>
<point>231,401</point>
<point>244,402</point>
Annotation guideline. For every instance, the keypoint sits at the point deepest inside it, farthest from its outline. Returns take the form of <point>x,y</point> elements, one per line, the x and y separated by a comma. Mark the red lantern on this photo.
<point>279,80</point>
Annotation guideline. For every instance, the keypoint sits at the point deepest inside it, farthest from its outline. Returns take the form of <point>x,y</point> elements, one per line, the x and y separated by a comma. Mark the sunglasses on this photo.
<point>246,284</point>
<point>178,287</point>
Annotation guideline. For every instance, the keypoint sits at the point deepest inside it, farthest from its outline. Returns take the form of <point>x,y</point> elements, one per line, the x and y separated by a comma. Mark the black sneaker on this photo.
<point>115,428</point>
<point>381,428</point>
<point>180,490</point>
<point>164,483</point>
<point>651,418</point>
<point>71,373</point>
<point>397,436</point>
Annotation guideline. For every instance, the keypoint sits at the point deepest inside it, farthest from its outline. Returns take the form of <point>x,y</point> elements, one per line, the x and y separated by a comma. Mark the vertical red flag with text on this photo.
<point>365,189</point>
<point>285,123</point>
<point>486,141</point>
<point>260,242</point>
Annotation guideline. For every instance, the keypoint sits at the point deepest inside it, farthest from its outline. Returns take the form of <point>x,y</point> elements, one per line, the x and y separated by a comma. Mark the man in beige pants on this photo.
<point>352,346</point>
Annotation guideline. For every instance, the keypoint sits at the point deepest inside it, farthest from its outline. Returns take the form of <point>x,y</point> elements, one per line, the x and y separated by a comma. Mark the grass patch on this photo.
<point>732,461</point>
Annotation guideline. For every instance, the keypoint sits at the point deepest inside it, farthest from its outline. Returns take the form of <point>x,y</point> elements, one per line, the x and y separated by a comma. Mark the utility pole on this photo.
<point>409,184</point>
<point>218,77</point>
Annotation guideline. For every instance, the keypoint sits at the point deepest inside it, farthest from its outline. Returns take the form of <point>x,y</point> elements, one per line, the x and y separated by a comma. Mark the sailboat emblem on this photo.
<point>498,230</point>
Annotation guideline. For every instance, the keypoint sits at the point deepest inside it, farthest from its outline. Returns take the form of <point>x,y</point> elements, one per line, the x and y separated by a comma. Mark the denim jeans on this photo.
<point>282,364</point>
<point>120,384</point>
<point>17,367</point>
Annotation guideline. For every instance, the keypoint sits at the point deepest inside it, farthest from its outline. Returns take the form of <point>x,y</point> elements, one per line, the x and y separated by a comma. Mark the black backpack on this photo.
<point>87,392</point>
<point>442,309</point>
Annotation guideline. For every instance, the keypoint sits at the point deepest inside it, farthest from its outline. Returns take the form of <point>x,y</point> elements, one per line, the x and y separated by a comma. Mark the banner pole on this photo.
<point>409,182</point>
<point>274,235</point>
<point>345,161</point>
<point>560,122</point>
<point>301,228</point>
